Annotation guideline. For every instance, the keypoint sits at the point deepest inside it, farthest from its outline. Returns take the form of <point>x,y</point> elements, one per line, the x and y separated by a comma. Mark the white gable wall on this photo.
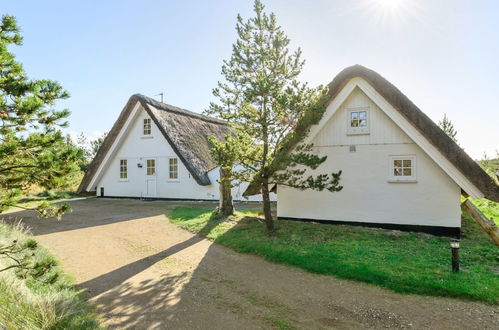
<point>136,149</point>
<point>368,196</point>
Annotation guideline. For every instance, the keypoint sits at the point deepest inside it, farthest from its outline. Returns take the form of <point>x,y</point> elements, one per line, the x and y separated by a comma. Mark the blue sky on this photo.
<point>442,54</point>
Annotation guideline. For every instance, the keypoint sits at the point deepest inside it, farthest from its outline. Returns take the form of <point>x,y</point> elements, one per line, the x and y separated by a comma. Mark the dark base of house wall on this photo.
<point>454,232</point>
<point>174,199</point>
<point>161,199</point>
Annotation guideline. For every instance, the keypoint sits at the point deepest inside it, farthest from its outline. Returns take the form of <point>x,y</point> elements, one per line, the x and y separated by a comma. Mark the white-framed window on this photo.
<point>123,169</point>
<point>358,121</point>
<point>402,168</point>
<point>151,167</point>
<point>173,168</point>
<point>147,126</point>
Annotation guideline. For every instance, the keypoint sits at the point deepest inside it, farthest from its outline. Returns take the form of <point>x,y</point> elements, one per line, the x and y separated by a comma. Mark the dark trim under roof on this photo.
<point>436,136</point>
<point>187,133</point>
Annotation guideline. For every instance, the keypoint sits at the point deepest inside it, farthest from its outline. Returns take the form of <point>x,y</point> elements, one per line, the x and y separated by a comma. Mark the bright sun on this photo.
<point>389,10</point>
<point>391,4</point>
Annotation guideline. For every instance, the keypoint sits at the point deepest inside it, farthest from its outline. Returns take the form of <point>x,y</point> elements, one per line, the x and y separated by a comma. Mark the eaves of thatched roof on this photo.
<point>428,129</point>
<point>187,132</point>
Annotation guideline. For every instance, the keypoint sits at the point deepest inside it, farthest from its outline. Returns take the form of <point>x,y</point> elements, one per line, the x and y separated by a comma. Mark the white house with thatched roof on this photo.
<point>155,150</point>
<point>399,169</point>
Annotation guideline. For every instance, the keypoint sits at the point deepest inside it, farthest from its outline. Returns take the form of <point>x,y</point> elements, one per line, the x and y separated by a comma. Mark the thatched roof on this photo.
<point>438,138</point>
<point>186,131</point>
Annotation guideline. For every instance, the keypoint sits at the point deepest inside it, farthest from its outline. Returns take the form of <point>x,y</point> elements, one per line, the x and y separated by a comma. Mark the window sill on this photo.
<point>123,180</point>
<point>146,137</point>
<point>402,181</point>
<point>358,132</point>
<point>173,181</point>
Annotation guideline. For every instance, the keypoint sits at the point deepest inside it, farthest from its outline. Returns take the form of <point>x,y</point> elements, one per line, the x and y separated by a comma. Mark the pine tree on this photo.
<point>446,125</point>
<point>96,144</point>
<point>267,109</point>
<point>33,151</point>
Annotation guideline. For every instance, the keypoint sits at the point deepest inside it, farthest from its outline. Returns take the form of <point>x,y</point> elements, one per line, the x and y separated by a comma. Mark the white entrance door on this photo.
<point>151,188</point>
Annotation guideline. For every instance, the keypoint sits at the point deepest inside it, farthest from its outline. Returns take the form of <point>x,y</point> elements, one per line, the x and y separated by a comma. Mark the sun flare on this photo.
<point>385,11</point>
<point>391,4</point>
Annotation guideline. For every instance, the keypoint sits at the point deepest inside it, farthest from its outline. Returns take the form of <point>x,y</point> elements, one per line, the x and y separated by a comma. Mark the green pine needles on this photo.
<point>269,111</point>
<point>33,151</point>
<point>448,127</point>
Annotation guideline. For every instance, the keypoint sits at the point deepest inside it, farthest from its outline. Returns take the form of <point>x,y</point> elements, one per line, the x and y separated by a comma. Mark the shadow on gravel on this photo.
<point>103,283</point>
<point>92,212</point>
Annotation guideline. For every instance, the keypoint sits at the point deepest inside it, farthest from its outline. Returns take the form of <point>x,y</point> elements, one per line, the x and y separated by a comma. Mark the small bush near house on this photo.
<point>400,261</point>
<point>41,296</point>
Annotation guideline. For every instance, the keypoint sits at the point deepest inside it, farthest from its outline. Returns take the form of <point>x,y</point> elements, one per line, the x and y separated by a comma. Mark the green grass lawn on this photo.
<point>400,261</point>
<point>43,298</point>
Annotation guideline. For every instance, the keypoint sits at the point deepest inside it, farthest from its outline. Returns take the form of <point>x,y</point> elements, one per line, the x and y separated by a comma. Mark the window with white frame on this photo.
<point>147,126</point>
<point>358,121</point>
<point>123,169</point>
<point>173,168</point>
<point>151,167</point>
<point>403,168</point>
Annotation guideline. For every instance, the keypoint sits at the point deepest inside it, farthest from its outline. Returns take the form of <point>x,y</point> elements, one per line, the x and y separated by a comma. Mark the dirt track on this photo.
<point>143,272</point>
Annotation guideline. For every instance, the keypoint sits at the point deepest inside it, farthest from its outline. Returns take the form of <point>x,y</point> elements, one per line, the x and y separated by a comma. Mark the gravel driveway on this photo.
<point>144,273</point>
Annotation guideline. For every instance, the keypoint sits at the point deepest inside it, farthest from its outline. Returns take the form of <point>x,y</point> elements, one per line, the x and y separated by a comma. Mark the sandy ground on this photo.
<point>144,273</point>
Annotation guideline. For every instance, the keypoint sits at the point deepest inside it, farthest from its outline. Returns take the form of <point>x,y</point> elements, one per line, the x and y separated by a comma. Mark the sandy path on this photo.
<point>143,272</point>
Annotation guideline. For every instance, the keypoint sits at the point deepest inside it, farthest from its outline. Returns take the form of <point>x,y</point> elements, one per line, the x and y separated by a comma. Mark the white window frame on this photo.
<point>170,179</point>
<point>358,130</point>
<point>146,135</point>
<point>121,167</point>
<point>403,178</point>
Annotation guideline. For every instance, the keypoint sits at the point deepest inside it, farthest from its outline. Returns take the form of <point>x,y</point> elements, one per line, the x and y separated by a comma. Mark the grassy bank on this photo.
<point>41,297</point>
<point>403,262</point>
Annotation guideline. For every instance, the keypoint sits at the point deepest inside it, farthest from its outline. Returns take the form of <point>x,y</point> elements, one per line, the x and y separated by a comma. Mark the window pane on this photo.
<point>123,169</point>
<point>407,163</point>
<point>407,172</point>
<point>363,123</point>
<point>362,115</point>
<point>354,115</point>
<point>147,126</point>
<point>173,168</point>
<point>151,164</point>
<point>397,163</point>
<point>355,123</point>
<point>397,171</point>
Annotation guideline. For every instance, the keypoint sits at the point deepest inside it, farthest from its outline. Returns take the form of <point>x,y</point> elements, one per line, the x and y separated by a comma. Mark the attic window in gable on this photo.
<point>358,121</point>
<point>147,126</point>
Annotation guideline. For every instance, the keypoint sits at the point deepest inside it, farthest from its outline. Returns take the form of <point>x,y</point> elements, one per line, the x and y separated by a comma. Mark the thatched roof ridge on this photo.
<point>438,138</point>
<point>177,110</point>
<point>186,131</point>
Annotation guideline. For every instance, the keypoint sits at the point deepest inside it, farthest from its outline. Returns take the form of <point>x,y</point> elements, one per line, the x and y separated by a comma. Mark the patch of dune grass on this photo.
<point>400,261</point>
<point>42,297</point>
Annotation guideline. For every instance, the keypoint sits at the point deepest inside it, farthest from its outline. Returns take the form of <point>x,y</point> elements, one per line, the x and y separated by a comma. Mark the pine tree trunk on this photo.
<point>225,206</point>
<point>269,221</point>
